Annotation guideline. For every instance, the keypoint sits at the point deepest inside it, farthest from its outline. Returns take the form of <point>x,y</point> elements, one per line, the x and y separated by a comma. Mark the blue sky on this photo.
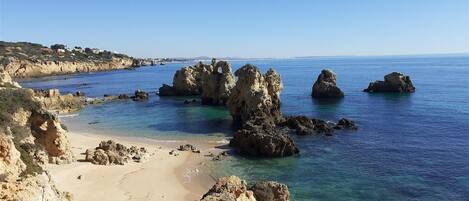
<point>243,28</point>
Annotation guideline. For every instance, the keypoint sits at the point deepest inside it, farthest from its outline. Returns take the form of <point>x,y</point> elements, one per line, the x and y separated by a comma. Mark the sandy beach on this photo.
<point>160,177</point>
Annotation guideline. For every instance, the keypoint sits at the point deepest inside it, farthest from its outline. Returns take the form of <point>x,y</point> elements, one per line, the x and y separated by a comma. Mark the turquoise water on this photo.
<point>408,147</point>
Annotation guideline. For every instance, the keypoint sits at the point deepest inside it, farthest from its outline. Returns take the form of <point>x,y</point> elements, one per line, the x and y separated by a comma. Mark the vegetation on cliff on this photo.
<point>24,59</point>
<point>57,52</point>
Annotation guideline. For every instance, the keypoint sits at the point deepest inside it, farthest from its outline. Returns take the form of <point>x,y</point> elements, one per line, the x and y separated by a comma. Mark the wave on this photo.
<point>68,115</point>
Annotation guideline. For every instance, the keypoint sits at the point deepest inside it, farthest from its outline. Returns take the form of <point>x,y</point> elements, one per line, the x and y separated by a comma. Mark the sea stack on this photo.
<point>213,82</point>
<point>255,105</point>
<point>393,82</point>
<point>326,87</point>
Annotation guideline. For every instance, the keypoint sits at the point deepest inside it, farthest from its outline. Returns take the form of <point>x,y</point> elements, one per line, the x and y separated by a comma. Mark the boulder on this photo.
<point>188,147</point>
<point>345,123</point>
<point>232,188</point>
<point>270,191</point>
<point>393,82</point>
<point>123,96</point>
<point>140,95</point>
<point>229,189</point>
<point>305,126</point>
<point>325,86</point>
<point>263,140</point>
<point>110,152</point>
<point>167,90</point>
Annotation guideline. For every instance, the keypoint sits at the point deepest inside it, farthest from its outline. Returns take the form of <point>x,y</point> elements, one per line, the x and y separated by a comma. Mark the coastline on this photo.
<point>160,177</point>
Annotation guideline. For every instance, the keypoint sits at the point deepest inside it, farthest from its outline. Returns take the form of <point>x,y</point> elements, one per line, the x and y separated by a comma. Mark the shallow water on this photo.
<point>408,147</point>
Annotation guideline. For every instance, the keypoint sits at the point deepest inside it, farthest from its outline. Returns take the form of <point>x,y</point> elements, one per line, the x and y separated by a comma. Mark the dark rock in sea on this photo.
<point>325,86</point>
<point>190,101</point>
<point>123,96</point>
<point>108,97</point>
<point>304,125</point>
<point>166,90</point>
<point>345,123</point>
<point>220,156</point>
<point>393,82</point>
<point>270,191</point>
<point>79,94</point>
<point>263,140</point>
<point>140,95</point>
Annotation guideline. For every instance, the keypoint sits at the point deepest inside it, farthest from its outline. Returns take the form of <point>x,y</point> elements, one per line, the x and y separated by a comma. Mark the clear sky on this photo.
<point>243,28</point>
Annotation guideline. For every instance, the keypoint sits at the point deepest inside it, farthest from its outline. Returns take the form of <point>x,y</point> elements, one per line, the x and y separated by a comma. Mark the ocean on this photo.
<point>408,146</point>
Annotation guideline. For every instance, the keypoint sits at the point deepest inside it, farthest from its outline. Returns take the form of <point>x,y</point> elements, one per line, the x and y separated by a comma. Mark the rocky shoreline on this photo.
<point>251,97</point>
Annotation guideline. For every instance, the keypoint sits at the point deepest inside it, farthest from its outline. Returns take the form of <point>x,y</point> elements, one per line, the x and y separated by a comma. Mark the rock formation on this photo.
<point>255,105</point>
<point>110,152</point>
<point>325,86</point>
<point>305,126</point>
<point>229,189</point>
<point>212,81</point>
<point>52,100</point>
<point>29,138</point>
<point>234,189</point>
<point>256,95</point>
<point>140,95</point>
<point>6,81</point>
<point>263,140</point>
<point>270,191</point>
<point>393,82</point>
<point>34,60</point>
<point>217,85</point>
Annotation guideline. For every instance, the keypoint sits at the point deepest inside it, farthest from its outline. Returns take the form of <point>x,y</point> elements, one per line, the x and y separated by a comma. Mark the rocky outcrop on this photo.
<point>39,187</point>
<point>29,138</point>
<point>24,60</point>
<point>140,95</point>
<point>232,188</point>
<point>212,81</point>
<point>217,85</point>
<point>306,126</point>
<point>263,140</point>
<point>270,191</point>
<point>326,87</point>
<point>393,82</point>
<point>48,132</point>
<point>52,100</point>
<point>110,152</point>
<point>188,147</point>
<point>229,189</point>
<point>256,95</point>
<point>255,105</point>
<point>345,123</point>
<point>6,81</point>
<point>11,164</point>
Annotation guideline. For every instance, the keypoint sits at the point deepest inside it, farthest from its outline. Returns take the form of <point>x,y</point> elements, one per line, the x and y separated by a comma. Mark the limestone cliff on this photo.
<point>24,60</point>
<point>30,137</point>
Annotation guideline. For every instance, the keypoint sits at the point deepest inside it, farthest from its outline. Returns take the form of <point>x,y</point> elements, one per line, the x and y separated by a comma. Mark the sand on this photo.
<point>160,177</point>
